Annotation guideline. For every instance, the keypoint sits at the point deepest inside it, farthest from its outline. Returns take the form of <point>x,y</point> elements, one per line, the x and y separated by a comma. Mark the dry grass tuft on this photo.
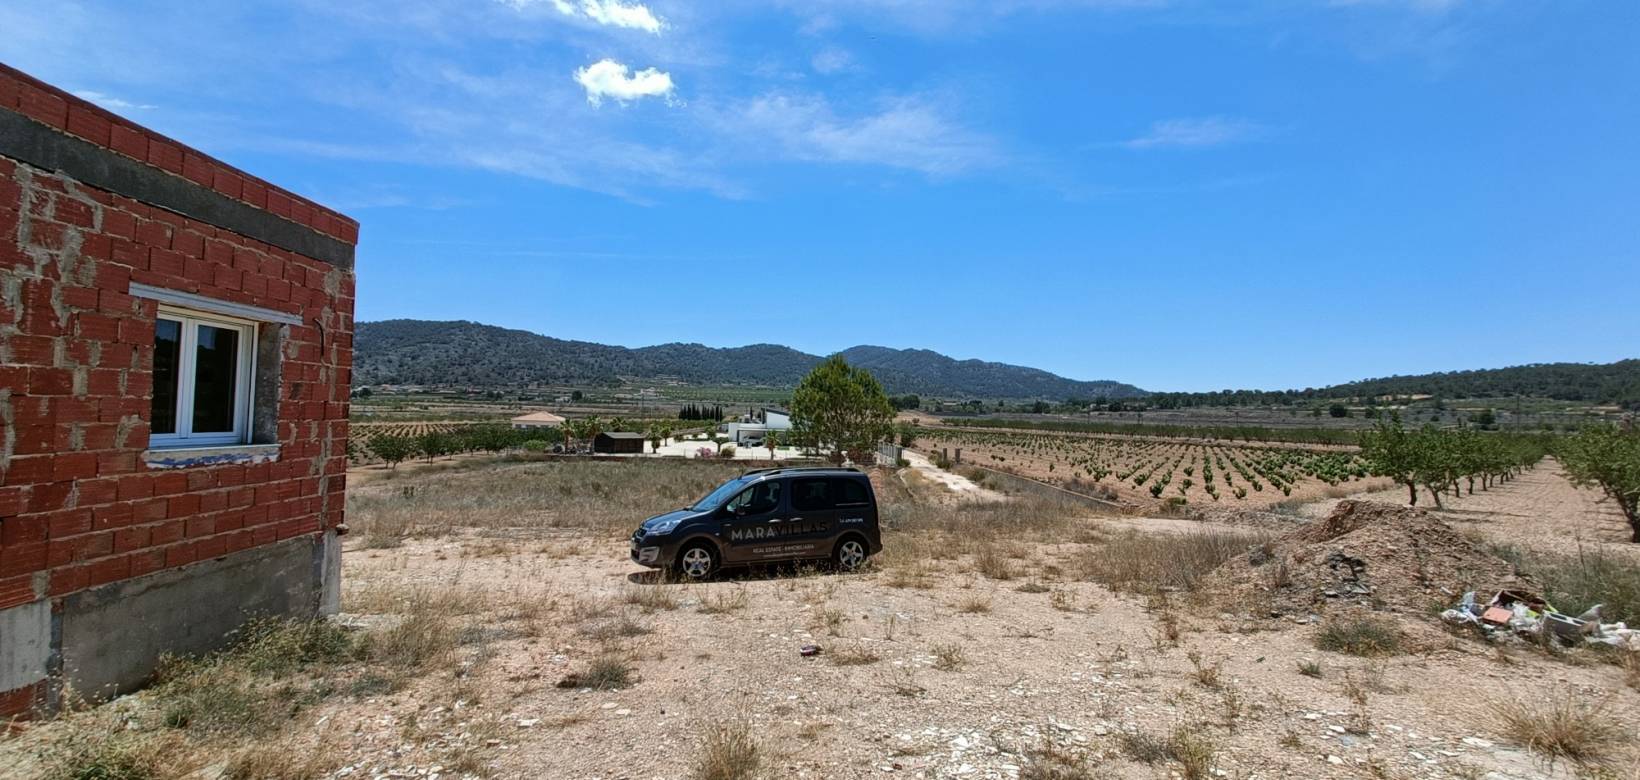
<point>1367,637</point>
<point>1563,728</point>
<point>728,752</point>
<point>852,654</point>
<point>607,672</point>
<point>719,602</point>
<point>1053,761</point>
<point>1193,750</point>
<point>974,604</point>
<point>650,598</point>
<point>1149,563</point>
<point>949,657</point>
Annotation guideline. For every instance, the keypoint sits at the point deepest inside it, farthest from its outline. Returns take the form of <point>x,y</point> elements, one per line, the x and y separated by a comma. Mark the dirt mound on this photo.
<point>1251,518</point>
<point>1380,556</point>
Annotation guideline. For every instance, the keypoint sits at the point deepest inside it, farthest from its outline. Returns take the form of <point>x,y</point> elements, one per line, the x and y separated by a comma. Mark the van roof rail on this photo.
<point>779,469</point>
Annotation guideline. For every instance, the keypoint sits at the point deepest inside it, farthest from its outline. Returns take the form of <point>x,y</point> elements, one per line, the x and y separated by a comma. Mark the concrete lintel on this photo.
<point>40,145</point>
<point>194,457</point>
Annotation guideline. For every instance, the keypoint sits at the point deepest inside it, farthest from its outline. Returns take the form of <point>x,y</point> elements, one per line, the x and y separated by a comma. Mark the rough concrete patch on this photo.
<point>113,634</point>
<point>25,644</point>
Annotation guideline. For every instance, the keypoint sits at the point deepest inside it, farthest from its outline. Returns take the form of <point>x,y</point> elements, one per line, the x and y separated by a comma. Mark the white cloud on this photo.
<point>612,13</point>
<point>833,60</point>
<point>109,101</point>
<point>905,133</point>
<point>618,14</point>
<point>608,78</point>
<point>1196,133</point>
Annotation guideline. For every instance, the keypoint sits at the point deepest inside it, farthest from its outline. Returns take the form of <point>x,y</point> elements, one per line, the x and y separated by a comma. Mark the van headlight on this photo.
<point>665,526</point>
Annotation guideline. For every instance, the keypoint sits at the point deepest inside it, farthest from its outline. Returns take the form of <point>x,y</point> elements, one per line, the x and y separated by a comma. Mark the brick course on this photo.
<point>79,507</point>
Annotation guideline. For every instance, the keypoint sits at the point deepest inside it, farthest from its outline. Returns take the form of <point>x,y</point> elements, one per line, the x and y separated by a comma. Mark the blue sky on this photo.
<point>1181,194</point>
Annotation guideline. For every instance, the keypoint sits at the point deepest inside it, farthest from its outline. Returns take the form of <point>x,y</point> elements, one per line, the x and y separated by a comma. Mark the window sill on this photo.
<point>220,455</point>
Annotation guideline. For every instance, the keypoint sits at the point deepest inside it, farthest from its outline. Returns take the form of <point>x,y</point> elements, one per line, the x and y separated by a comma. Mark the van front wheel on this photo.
<point>697,562</point>
<point>851,554</point>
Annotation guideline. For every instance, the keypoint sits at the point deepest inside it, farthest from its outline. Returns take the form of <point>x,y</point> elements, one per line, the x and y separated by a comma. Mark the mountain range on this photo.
<point>469,354</point>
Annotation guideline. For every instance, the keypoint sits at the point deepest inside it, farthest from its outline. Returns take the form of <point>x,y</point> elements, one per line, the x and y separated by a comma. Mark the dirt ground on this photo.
<point>952,667</point>
<point>1539,509</point>
<point>1045,457</point>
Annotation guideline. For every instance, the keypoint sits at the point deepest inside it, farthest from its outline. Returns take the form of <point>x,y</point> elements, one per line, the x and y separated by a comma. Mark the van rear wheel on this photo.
<point>851,554</point>
<point>697,562</point>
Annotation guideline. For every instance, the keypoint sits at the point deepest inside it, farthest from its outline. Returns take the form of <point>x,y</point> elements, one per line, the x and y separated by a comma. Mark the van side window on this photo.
<point>849,492</point>
<point>811,494</point>
<point>757,499</point>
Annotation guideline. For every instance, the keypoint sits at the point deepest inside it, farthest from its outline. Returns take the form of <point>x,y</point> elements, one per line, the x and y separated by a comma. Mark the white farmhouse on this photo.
<point>537,420</point>
<point>754,427</point>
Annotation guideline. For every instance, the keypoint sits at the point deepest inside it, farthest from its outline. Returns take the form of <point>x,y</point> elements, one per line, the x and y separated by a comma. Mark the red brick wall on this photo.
<point>78,506</point>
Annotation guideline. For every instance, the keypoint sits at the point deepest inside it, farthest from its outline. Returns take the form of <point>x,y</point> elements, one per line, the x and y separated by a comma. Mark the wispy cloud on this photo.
<point>833,60</point>
<point>612,13</point>
<point>1197,133</point>
<point>611,79</point>
<point>110,102</point>
<point>909,133</point>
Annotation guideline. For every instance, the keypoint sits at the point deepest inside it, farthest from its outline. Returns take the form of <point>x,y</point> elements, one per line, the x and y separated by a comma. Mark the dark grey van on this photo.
<point>765,516</point>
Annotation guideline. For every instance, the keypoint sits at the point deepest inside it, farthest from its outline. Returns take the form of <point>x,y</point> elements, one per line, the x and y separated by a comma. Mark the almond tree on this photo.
<point>1607,458</point>
<point>1390,451</point>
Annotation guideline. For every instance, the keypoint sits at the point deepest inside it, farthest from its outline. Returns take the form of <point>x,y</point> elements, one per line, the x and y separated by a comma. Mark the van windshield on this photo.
<point>715,499</point>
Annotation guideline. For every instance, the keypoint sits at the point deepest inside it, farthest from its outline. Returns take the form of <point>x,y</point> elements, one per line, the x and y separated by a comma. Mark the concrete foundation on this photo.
<point>107,640</point>
<point>25,645</point>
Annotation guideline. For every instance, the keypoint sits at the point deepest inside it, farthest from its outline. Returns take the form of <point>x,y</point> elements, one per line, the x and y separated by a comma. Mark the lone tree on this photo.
<point>1609,459</point>
<point>840,408</point>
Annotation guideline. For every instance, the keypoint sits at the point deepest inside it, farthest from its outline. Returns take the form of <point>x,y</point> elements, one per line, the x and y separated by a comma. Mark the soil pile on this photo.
<point>1251,518</point>
<point>1379,556</point>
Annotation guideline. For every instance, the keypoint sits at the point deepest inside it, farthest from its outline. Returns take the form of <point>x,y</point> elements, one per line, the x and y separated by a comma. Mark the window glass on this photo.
<point>757,499</point>
<point>716,497</point>
<point>811,494</point>
<point>167,360</point>
<point>216,378</point>
<point>849,491</point>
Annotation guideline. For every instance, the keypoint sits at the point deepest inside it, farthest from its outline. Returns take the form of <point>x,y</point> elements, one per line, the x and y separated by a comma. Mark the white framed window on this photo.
<point>203,367</point>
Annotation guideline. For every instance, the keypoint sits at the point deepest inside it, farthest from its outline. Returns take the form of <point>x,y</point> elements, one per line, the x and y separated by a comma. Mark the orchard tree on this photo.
<point>1390,451</point>
<point>840,408</point>
<point>1607,458</point>
<point>393,449</point>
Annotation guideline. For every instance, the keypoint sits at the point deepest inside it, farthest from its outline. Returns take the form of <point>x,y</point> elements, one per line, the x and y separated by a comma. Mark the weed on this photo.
<point>948,657</point>
<point>653,598</point>
<point>1053,761</point>
<point>1366,637</point>
<point>606,672</point>
<point>853,654</point>
<point>1149,563</point>
<point>1310,668</point>
<point>1206,675</point>
<point>720,602</point>
<point>992,562</point>
<point>974,604</point>
<point>1562,728</point>
<point>728,752</point>
<point>1193,751</point>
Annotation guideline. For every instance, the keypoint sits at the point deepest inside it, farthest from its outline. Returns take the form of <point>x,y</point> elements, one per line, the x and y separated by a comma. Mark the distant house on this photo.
<point>618,443</point>
<point>537,420</point>
<point>758,424</point>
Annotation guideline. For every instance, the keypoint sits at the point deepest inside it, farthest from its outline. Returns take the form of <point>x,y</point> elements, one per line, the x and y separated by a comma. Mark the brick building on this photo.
<point>175,350</point>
